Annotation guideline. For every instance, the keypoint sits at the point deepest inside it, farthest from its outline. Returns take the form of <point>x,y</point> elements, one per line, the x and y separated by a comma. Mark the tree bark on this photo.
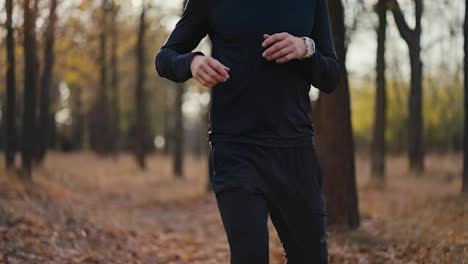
<point>115,77</point>
<point>101,130</point>
<point>140,127</point>
<point>178,158</point>
<point>45,117</point>
<point>30,85</point>
<point>378,147</point>
<point>412,38</point>
<point>178,132</point>
<point>334,137</point>
<point>465,139</point>
<point>10,109</point>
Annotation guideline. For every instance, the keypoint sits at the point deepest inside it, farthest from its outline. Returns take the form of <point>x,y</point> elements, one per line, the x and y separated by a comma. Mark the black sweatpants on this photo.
<point>251,181</point>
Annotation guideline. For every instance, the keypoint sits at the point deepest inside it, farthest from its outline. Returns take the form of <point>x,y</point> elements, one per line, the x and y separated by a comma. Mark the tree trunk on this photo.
<point>415,126</point>
<point>378,140</point>
<point>465,139</point>
<point>10,110</point>
<point>140,127</point>
<point>101,130</point>
<point>45,117</point>
<point>334,137</point>
<point>30,85</point>
<point>78,122</point>
<point>115,78</point>
<point>412,38</point>
<point>178,158</point>
<point>178,132</point>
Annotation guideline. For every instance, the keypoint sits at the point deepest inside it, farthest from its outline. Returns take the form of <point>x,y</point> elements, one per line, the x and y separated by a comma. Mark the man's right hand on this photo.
<point>208,70</point>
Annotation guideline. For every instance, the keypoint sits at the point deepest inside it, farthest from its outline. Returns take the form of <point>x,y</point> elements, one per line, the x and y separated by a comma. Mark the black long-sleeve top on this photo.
<point>262,102</point>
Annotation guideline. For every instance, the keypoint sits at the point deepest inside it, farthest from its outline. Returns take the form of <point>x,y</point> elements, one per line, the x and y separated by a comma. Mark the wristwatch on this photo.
<point>310,44</point>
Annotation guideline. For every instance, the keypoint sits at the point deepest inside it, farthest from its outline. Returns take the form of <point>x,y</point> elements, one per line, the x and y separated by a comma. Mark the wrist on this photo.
<point>309,46</point>
<point>303,48</point>
<point>195,57</point>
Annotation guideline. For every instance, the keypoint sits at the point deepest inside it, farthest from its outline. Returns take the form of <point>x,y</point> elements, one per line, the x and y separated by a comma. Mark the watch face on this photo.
<point>311,46</point>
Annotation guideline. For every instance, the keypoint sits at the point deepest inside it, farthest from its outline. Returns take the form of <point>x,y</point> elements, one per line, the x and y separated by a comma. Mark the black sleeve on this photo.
<point>322,68</point>
<point>175,56</point>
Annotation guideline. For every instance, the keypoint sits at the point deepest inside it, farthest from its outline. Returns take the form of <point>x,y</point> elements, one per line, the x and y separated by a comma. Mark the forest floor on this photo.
<point>84,209</point>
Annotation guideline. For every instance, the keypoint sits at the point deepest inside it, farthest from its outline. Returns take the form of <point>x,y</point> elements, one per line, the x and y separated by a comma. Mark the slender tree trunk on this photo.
<point>412,37</point>
<point>415,126</point>
<point>334,137</point>
<point>103,50</point>
<point>30,85</point>
<point>10,110</point>
<point>78,119</point>
<point>465,138</point>
<point>167,126</point>
<point>140,127</point>
<point>45,118</point>
<point>115,77</point>
<point>178,132</point>
<point>101,130</point>
<point>178,158</point>
<point>378,140</point>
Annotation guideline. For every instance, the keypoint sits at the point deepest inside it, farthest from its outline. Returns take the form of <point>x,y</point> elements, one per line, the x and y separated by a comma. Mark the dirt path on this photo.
<point>84,209</point>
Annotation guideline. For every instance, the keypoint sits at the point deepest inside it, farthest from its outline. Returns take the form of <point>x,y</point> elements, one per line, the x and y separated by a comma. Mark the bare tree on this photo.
<point>178,158</point>
<point>10,110</point>
<point>378,139</point>
<point>31,64</point>
<point>412,37</point>
<point>178,161</point>
<point>114,97</point>
<point>334,136</point>
<point>101,130</point>
<point>45,117</point>
<point>465,152</point>
<point>140,126</point>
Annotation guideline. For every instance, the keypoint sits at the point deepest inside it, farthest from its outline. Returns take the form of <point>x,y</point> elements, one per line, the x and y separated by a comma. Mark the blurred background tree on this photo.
<point>465,137</point>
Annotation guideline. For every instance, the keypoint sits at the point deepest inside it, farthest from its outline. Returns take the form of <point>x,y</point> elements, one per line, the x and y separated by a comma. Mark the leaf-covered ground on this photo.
<point>85,209</point>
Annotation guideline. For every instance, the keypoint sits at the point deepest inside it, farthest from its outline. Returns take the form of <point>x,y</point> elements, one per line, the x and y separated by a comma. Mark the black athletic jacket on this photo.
<point>262,102</point>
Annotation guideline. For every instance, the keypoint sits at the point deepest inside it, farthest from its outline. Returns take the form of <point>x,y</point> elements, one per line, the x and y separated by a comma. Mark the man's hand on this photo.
<point>283,47</point>
<point>208,71</point>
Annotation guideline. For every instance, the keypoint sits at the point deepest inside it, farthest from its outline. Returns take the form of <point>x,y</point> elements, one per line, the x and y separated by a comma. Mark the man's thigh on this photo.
<point>244,215</point>
<point>240,200</point>
<point>296,203</point>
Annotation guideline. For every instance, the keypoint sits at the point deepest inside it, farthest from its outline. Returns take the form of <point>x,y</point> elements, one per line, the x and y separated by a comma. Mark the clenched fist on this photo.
<point>283,47</point>
<point>208,70</point>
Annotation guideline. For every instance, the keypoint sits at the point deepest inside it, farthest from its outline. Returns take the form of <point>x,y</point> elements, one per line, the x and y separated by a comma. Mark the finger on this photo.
<point>202,81</point>
<point>274,38</point>
<point>281,53</point>
<point>219,68</point>
<point>265,36</point>
<point>214,75</point>
<point>204,78</point>
<point>210,76</point>
<point>274,48</point>
<point>214,61</point>
<point>286,58</point>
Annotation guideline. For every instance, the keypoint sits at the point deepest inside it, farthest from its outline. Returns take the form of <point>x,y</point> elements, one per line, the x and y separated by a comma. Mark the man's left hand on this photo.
<point>283,47</point>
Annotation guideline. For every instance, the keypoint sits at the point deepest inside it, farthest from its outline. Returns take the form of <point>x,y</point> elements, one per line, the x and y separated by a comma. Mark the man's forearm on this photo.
<point>173,65</point>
